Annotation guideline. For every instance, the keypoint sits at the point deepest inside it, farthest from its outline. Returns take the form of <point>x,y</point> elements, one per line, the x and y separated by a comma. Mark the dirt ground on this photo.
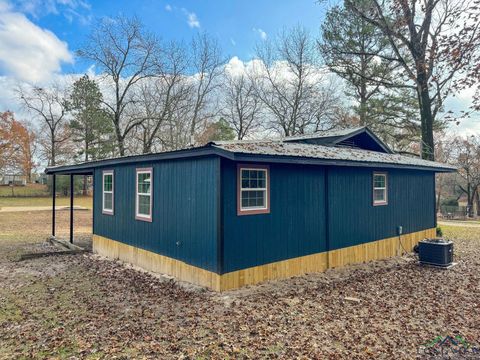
<point>82,306</point>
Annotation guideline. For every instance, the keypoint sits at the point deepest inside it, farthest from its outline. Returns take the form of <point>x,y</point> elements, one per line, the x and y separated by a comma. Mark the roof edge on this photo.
<point>88,167</point>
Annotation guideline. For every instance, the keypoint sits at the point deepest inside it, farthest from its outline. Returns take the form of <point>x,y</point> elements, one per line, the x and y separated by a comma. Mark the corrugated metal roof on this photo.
<point>326,133</point>
<point>268,151</point>
<point>280,148</point>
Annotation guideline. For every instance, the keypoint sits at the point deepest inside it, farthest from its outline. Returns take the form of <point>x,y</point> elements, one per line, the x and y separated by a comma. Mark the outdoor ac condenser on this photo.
<point>438,252</point>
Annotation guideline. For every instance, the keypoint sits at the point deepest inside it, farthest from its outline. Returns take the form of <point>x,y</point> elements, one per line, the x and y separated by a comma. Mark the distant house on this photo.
<point>13,179</point>
<point>229,214</point>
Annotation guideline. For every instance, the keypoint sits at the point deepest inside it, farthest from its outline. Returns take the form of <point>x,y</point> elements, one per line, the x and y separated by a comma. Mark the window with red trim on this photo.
<point>107,192</point>
<point>380,187</point>
<point>253,189</point>
<point>143,194</point>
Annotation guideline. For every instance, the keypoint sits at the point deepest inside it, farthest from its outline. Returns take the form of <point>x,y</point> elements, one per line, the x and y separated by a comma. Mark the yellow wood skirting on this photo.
<point>155,262</point>
<point>380,249</point>
<point>375,250</point>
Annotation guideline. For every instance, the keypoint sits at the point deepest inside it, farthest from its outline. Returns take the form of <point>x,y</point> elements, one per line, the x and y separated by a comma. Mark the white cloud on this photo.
<point>233,42</point>
<point>27,51</point>
<point>168,7</point>
<point>192,20</point>
<point>261,33</point>
<point>235,67</point>
<point>70,9</point>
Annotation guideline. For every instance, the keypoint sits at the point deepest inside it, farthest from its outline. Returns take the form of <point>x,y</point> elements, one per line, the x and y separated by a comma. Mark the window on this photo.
<point>380,189</point>
<point>253,189</point>
<point>107,195</point>
<point>143,201</point>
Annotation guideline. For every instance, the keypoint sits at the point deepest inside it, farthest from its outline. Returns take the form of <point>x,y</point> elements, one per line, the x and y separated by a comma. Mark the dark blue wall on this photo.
<point>195,203</point>
<point>185,210</point>
<point>353,218</point>
<point>294,227</point>
<point>296,224</point>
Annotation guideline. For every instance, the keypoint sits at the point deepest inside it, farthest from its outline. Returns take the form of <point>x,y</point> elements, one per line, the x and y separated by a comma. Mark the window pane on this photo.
<point>144,204</point>
<point>107,182</point>
<point>379,194</point>
<point>108,201</point>
<point>253,199</point>
<point>253,179</point>
<point>144,183</point>
<point>379,181</point>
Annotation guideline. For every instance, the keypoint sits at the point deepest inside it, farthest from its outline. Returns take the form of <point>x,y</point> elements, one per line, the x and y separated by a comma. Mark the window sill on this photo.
<point>253,212</point>
<point>143,218</point>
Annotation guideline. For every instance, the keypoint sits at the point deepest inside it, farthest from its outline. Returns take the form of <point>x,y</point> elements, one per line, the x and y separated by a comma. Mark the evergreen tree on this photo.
<point>90,126</point>
<point>359,53</point>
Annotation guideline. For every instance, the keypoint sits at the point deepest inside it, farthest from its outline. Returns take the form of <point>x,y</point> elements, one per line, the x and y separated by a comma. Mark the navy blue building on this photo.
<point>229,214</point>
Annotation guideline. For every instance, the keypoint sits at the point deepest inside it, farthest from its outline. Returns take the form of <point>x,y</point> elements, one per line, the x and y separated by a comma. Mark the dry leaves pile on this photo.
<point>84,307</point>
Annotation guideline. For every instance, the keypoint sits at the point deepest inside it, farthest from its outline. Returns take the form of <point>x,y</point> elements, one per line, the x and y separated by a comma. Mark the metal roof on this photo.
<point>325,133</point>
<point>339,155</point>
<point>271,151</point>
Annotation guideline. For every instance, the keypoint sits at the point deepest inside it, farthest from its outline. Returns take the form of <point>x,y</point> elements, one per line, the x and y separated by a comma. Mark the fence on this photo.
<point>453,212</point>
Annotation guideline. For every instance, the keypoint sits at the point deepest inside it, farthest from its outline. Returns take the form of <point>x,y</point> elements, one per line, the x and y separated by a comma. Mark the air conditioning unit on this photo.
<point>437,252</point>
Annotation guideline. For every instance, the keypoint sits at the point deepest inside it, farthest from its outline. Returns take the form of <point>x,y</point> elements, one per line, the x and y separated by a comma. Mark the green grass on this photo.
<point>85,201</point>
<point>29,190</point>
<point>459,232</point>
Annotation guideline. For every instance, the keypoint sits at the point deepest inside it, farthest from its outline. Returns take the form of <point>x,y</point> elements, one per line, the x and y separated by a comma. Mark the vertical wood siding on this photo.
<point>294,227</point>
<point>185,210</point>
<point>353,219</point>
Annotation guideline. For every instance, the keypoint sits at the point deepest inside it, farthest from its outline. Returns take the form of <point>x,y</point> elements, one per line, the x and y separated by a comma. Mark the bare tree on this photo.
<point>50,106</point>
<point>467,158</point>
<point>433,41</point>
<point>241,107</point>
<point>444,152</point>
<point>291,84</point>
<point>126,54</point>
<point>206,63</point>
<point>157,98</point>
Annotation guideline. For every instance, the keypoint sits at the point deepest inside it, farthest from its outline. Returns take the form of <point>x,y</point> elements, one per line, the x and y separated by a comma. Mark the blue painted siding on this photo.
<point>294,227</point>
<point>297,223</point>
<point>185,210</point>
<point>353,218</point>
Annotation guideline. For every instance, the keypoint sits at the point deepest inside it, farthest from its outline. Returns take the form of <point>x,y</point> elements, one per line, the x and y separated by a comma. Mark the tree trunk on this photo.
<point>52,150</point>
<point>470,196</point>
<point>477,202</point>
<point>426,117</point>
<point>84,191</point>
<point>120,140</point>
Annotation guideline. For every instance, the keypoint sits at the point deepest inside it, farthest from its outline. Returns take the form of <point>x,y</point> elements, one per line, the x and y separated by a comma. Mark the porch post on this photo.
<point>71,208</point>
<point>53,203</point>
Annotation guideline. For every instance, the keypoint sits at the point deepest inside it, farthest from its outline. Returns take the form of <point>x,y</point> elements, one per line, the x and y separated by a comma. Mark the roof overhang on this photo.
<point>330,162</point>
<point>212,150</point>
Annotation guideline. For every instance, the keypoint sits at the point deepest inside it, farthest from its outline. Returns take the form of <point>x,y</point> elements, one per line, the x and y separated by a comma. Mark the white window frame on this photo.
<point>104,209</point>
<point>139,216</point>
<point>251,210</point>
<point>385,189</point>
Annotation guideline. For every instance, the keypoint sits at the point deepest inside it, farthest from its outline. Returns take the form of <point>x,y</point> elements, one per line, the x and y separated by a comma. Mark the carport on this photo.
<point>72,171</point>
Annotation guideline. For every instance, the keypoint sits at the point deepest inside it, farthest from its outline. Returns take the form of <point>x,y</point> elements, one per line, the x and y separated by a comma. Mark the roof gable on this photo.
<point>359,138</point>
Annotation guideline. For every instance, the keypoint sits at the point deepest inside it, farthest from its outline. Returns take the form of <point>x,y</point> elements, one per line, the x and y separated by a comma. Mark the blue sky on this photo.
<point>38,38</point>
<point>237,24</point>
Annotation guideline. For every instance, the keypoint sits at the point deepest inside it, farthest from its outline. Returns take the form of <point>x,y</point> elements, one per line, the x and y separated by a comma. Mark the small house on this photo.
<point>229,214</point>
<point>13,179</point>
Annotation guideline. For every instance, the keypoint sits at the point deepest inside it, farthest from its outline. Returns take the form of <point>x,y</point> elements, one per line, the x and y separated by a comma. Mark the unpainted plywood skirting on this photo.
<point>380,249</point>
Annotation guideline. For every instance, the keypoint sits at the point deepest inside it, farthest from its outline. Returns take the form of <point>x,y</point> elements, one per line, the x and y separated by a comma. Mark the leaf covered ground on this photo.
<point>81,306</point>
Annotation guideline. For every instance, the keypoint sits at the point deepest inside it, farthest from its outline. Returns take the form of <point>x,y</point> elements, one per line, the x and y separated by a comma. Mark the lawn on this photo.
<point>85,201</point>
<point>85,307</point>
<point>29,190</point>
